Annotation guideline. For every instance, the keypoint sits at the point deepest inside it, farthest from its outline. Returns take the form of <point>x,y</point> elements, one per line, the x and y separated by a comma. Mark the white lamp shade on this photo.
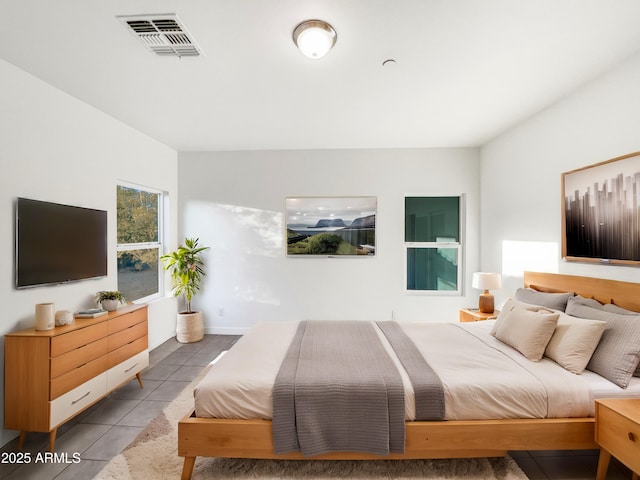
<point>486,281</point>
<point>314,38</point>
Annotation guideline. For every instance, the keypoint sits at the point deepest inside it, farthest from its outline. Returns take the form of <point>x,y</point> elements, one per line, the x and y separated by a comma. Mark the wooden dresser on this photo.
<point>618,433</point>
<point>52,375</point>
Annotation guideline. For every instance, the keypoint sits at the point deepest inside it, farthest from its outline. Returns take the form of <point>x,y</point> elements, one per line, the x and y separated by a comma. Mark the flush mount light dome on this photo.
<point>314,38</point>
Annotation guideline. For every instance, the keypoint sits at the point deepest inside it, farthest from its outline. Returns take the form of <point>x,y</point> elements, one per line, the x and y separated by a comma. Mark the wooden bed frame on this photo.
<point>213,437</point>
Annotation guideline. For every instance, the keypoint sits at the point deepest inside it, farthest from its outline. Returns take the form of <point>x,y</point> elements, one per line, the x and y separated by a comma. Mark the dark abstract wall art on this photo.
<point>601,212</point>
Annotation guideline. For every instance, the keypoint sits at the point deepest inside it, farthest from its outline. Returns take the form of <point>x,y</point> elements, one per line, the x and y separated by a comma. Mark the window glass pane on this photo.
<point>138,273</point>
<point>432,269</point>
<point>137,215</point>
<point>428,218</point>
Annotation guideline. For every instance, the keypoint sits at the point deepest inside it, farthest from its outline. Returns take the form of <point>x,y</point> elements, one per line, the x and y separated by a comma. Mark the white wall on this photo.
<point>234,202</point>
<point>521,174</point>
<point>56,148</point>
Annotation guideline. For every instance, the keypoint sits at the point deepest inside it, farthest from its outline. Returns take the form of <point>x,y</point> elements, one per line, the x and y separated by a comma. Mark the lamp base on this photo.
<point>485,303</point>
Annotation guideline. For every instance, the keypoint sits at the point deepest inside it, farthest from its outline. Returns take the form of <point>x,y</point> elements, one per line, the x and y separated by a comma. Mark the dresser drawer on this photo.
<point>124,371</point>
<point>75,358</point>
<point>620,436</point>
<point>127,351</point>
<point>78,399</point>
<point>118,339</point>
<point>78,338</point>
<point>70,380</point>
<point>127,320</point>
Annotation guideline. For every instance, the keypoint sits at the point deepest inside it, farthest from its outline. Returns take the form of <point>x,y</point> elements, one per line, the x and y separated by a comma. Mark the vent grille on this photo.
<point>163,35</point>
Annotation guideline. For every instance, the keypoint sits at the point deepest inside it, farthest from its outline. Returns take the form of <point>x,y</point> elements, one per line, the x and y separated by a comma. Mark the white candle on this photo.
<point>45,316</point>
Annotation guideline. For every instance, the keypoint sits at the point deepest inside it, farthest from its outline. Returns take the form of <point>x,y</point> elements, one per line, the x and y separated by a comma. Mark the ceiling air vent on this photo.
<point>164,35</point>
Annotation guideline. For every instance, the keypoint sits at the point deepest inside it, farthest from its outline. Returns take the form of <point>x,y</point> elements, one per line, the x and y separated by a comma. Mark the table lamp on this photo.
<point>486,282</point>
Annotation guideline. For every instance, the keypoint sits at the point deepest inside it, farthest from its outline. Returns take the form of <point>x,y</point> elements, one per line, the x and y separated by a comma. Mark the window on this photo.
<point>139,241</point>
<point>433,248</point>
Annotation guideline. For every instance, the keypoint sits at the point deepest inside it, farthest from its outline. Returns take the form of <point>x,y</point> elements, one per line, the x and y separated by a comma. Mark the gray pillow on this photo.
<point>554,301</point>
<point>589,302</point>
<point>607,307</point>
<point>617,356</point>
<point>610,307</point>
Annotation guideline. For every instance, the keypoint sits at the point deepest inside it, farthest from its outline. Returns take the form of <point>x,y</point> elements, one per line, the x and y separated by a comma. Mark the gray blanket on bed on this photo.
<point>429,392</point>
<point>338,391</point>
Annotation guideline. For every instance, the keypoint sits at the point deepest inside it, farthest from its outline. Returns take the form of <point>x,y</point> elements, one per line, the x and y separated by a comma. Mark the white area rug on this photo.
<point>153,456</point>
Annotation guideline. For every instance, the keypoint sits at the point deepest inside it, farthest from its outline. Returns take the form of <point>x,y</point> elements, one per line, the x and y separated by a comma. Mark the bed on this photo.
<point>448,438</point>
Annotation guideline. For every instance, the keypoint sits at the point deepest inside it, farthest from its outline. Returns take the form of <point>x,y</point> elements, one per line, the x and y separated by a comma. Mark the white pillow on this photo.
<point>527,331</point>
<point>574,341</point>
<point>512,304</point>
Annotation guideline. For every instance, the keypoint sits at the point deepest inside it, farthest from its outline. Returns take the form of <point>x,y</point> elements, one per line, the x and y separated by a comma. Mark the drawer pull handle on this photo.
<point>632,437</point>
<point>83,396</point>
<point>135,365</point>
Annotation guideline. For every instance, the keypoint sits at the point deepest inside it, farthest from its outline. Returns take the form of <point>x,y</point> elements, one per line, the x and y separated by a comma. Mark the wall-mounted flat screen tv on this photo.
<point>58,243</point>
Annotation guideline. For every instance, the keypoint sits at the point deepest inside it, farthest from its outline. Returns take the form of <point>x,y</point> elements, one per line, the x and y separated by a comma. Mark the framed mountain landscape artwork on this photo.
<point>331,226</point>
<point>601,212</point>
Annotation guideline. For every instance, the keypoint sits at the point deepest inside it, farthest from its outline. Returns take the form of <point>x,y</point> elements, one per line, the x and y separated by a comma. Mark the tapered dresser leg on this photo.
<point>52,439</point>
<point>21,439</point>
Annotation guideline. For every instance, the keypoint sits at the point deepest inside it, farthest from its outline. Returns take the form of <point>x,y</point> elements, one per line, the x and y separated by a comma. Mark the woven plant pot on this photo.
<point>190,327</point>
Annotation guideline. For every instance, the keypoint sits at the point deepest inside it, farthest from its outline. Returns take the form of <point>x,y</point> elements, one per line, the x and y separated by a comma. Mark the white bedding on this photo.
<point>483,378</point>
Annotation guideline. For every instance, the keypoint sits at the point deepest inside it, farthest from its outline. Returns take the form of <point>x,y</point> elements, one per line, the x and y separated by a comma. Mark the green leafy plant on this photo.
<point>324,243</point>
<point>187,269</point>
<point>110,295</point>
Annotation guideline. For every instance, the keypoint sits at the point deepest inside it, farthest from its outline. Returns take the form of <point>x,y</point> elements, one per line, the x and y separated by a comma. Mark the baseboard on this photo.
<point>226,330</point>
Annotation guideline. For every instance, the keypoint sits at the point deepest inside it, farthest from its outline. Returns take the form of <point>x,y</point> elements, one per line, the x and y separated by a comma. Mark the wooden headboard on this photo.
<point>623,294</point>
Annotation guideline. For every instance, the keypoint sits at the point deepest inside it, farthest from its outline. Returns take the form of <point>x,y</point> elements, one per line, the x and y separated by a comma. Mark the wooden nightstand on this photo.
<point>618,433</point>
<point>475,315</point>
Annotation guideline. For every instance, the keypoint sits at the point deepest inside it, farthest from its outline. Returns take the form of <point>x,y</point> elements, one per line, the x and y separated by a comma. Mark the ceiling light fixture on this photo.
<point>314,38</point>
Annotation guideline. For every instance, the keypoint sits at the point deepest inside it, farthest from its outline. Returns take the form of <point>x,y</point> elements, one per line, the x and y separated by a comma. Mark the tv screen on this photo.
<point>58,243</point>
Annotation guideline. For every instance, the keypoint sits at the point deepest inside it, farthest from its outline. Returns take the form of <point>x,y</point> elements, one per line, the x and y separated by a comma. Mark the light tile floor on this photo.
<point>101,432</point>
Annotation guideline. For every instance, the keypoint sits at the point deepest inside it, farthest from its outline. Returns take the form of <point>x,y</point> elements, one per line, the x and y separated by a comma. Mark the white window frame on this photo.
<point>458,246</point>
<point>160,244</point>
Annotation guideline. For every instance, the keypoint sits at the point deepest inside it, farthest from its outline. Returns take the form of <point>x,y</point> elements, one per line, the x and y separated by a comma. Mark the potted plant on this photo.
<point>110,299</point>
<point>187,269</point>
